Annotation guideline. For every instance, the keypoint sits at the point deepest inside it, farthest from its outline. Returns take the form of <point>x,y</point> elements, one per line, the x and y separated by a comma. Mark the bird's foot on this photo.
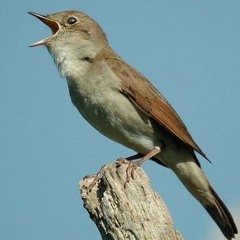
<point>132,166</point>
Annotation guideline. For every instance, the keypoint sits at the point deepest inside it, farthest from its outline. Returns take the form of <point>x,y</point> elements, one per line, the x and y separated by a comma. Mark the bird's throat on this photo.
<point>68,62</point>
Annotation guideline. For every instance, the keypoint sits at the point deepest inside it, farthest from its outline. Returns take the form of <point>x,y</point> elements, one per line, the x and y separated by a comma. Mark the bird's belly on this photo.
<point>118,119</point>
<point>114,115</point>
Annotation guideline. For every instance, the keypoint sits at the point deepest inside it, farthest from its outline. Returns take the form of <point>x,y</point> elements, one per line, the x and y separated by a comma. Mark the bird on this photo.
<point>122,104</point>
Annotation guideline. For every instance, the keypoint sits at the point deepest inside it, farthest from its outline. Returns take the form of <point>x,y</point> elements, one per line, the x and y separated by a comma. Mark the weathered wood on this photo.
<point>126,211</point>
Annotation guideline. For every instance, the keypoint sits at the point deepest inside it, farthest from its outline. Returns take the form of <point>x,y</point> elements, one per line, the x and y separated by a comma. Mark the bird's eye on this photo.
<point>71,20</point>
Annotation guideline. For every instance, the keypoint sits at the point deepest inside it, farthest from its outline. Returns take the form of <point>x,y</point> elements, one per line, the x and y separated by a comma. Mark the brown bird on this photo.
<point>124,106</point>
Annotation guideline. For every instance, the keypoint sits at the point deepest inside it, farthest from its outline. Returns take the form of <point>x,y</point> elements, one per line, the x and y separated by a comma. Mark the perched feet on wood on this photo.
<point>133,165</point>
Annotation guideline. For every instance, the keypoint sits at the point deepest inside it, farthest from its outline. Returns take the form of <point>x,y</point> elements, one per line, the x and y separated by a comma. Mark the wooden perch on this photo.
<point>126,211</point>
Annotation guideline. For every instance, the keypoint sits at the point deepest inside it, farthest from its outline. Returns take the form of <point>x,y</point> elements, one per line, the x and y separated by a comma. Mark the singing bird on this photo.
<point>124,106</point>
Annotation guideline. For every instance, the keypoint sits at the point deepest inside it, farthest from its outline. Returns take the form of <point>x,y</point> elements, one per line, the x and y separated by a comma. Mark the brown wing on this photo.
<point>144,95</point>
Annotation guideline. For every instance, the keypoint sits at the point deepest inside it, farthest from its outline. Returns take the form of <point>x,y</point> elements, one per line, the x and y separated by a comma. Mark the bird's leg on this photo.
<point>132,166</point>
<point>152,153</point>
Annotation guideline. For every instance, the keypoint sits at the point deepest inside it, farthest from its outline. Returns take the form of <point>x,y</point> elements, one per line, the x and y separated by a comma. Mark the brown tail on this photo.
<point>222,217</point>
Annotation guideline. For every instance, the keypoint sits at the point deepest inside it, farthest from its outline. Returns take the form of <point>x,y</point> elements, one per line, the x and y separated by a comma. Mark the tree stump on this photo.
<point>126,210</point>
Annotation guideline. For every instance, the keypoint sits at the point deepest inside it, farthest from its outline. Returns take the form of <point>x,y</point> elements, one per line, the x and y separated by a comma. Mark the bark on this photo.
<point>126,210</point>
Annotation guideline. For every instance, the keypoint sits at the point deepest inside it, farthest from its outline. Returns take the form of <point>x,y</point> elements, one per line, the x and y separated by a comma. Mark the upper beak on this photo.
<point>54,25</point>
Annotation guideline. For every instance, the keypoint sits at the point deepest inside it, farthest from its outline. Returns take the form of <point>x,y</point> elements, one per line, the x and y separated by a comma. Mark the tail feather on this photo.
<point>194,179</point>
<point>222,217</point>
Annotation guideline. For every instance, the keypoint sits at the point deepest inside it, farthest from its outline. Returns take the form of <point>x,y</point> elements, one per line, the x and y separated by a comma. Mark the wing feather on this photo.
<point>147,98</point>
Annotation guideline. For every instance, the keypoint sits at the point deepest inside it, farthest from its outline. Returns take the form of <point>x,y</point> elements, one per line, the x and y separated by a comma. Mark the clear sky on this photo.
<point>190,50</point>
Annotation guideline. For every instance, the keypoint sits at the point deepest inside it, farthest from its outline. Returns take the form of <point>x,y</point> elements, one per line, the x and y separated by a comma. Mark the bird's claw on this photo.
<point>132,166</point>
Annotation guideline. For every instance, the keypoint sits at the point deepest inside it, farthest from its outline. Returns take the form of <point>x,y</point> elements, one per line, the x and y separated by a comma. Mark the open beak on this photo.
<point>54,25</point>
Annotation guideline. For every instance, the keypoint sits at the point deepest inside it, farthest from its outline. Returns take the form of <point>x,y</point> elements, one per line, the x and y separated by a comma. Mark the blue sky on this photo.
<point>188,49</point>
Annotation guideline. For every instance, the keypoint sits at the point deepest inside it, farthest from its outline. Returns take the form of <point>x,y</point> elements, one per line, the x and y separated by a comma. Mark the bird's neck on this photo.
<point>71,60</point>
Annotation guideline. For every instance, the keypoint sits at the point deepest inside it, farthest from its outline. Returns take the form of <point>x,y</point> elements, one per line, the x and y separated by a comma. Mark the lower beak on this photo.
<point>54,25</point>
